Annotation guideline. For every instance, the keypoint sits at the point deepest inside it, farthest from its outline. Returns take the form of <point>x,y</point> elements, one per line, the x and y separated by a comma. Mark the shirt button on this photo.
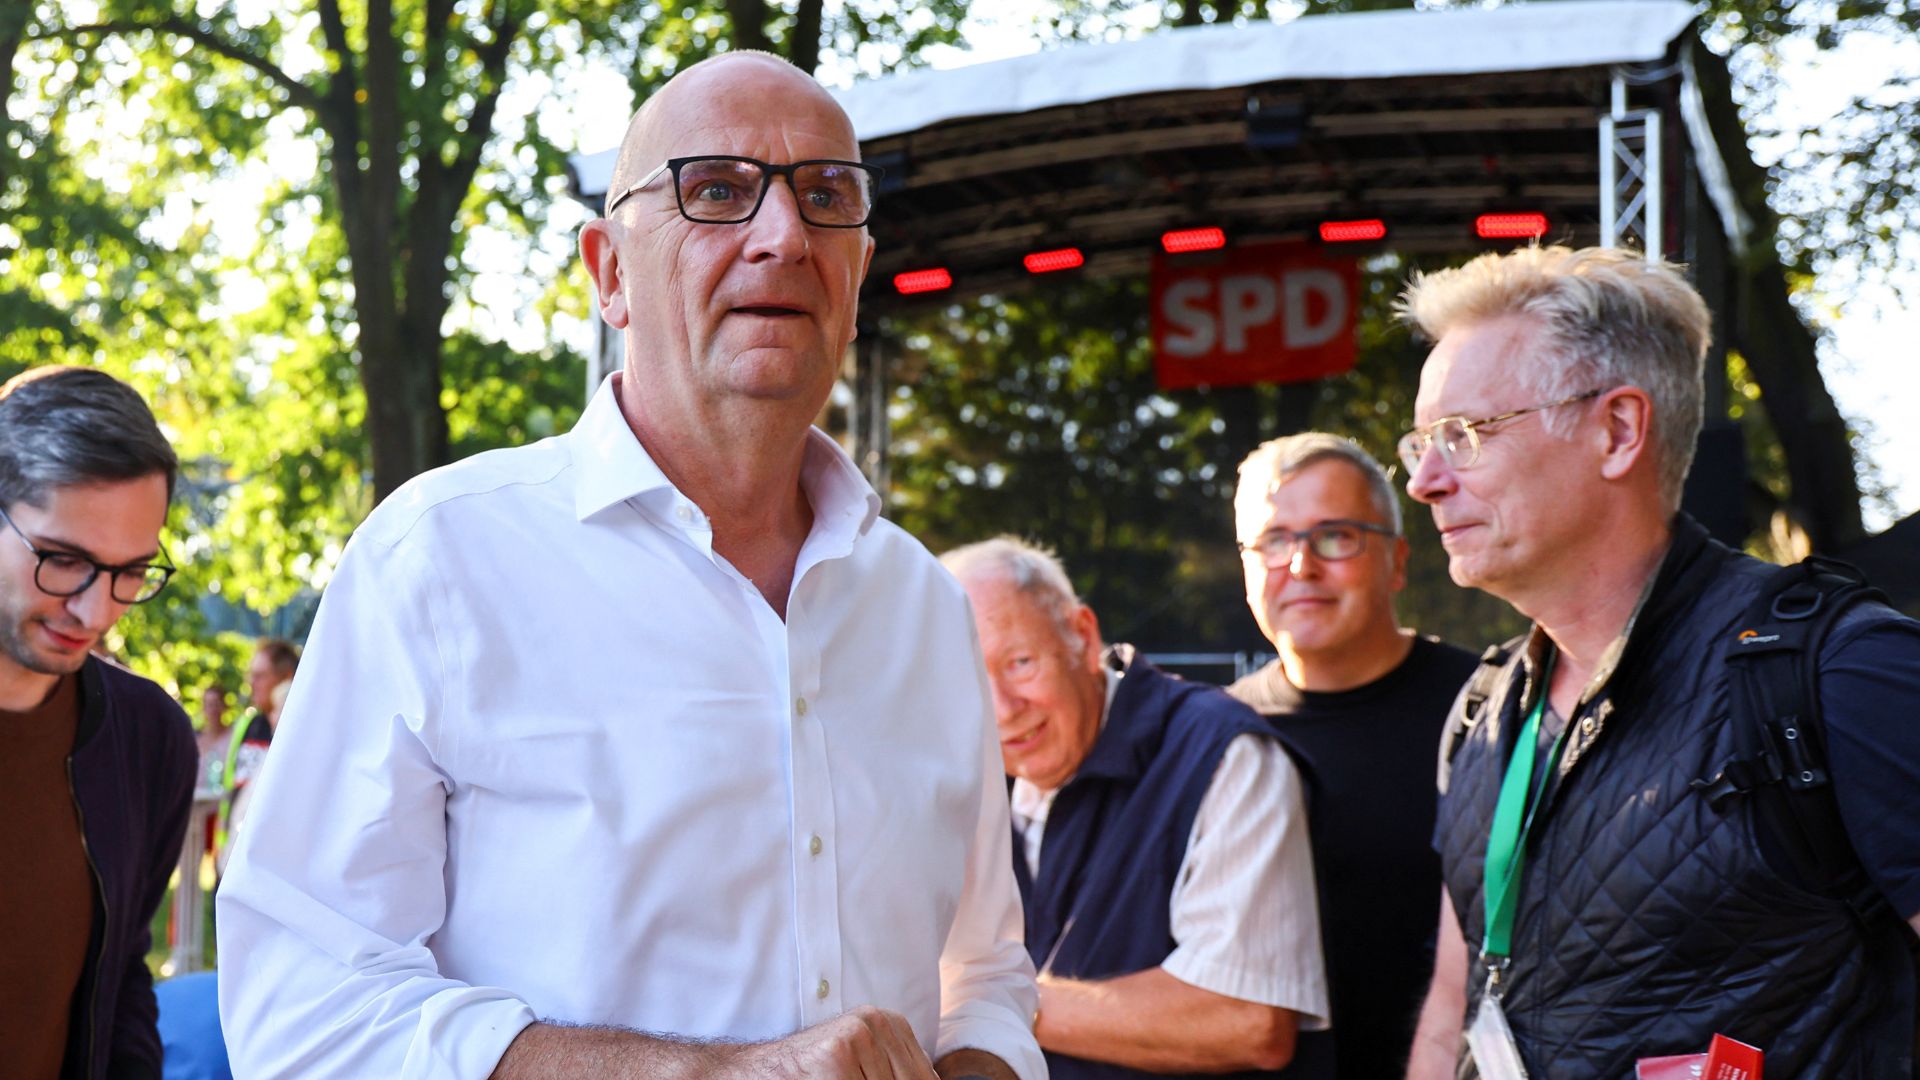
<point>814,845</point>
<point>821,990</point>
<point>800,706</point>
<point>683,513</point>
<point>1586,726</point>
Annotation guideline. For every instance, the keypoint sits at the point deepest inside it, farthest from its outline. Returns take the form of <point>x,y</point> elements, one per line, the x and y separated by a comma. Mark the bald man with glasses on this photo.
<point>649,750</point>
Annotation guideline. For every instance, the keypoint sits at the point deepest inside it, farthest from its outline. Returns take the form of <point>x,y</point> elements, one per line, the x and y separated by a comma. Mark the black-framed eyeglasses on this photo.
<point>1329,540</point>
<point>719,189</point>
<point>67,573</point>
<point>1459,438</point>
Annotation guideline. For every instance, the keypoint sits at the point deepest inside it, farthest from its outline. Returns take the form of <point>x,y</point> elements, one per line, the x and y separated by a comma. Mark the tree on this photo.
<point>404,95</point>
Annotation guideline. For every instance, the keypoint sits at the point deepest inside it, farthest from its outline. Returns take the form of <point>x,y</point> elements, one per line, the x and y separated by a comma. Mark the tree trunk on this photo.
<point>1824,492</point>
<point>804,47</point>
<point>748,18</point>
<point>406,427</point>
<point>13,31</point>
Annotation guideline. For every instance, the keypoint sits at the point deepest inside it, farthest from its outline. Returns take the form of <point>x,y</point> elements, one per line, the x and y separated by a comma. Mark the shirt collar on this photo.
<point>608,459</point>
<point>613,467</point>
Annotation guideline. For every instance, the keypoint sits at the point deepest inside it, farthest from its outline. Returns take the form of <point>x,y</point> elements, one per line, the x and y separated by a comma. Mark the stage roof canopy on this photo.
<point>1420,119</point>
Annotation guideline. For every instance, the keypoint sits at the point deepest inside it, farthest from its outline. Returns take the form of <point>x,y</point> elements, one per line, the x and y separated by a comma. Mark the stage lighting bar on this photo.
<point>1510,226</point>
<point>1356,231</point>
<point>1180,241</point>
<point>922,281</point>
<point>1046,262</point>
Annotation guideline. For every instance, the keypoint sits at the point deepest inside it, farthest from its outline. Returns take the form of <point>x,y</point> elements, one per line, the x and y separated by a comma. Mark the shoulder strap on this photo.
<point>1780,763</point>
<point>1473,703</point>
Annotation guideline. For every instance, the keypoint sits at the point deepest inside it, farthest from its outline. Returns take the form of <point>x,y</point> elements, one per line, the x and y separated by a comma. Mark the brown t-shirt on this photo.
<point>46,892</point>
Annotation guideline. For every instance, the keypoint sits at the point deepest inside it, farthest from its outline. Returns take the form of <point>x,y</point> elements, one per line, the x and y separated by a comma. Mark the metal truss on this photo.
<point>1631,207</point>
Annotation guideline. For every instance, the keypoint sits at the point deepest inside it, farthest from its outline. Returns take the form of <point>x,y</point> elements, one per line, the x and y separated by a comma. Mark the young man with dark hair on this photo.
<point>97,762</point>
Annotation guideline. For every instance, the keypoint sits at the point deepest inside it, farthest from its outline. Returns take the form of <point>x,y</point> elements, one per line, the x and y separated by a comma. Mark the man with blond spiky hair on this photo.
<point>1617,882</point>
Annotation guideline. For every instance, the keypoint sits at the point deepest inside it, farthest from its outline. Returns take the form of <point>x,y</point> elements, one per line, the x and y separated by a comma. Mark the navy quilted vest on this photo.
<point>1117,833</point>
<point>1647,921</point>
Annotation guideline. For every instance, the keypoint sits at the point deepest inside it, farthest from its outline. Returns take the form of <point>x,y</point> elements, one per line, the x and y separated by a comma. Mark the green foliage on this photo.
<point>1038,414</point>
<point>497,397</point>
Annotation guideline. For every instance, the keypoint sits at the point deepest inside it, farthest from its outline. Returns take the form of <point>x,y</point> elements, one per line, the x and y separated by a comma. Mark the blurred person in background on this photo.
<point>213,738</point>
<point>97,763</point>
<point>269,676</point>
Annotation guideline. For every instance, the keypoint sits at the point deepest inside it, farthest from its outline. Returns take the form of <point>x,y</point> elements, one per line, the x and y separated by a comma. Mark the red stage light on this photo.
<point>1348,232</point>
<point>1183,240</point>
<point>919,281</point>
<point>1523,226</point>
<point>1046,262</point>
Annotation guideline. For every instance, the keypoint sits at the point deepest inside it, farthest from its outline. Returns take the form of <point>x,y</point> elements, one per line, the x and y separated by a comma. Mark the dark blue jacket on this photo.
<point>1117,833</point>
<point>132,772</point>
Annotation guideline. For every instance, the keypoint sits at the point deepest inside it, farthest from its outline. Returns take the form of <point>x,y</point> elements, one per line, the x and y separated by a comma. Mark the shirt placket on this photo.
<point>815,839</point>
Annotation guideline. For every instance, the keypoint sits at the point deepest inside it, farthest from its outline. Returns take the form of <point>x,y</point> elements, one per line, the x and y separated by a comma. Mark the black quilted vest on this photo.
<point>1646,920</point>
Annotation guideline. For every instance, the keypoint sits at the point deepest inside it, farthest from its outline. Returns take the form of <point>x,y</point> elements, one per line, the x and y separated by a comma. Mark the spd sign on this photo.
<point>1263,313</point>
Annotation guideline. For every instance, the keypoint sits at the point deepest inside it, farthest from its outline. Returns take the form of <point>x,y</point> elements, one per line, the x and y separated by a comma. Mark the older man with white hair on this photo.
<point>1161,844</point>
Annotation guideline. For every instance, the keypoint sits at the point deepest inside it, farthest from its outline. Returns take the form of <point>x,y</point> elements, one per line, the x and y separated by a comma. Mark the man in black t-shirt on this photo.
<point>1360,703</point>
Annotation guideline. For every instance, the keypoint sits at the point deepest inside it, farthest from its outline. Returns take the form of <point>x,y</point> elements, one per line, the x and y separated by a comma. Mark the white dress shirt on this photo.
<point>549,756</point>
<point>1244,910</point>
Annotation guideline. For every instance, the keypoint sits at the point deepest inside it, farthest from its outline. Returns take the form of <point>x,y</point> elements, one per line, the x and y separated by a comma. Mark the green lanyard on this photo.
<point>1512,820</point>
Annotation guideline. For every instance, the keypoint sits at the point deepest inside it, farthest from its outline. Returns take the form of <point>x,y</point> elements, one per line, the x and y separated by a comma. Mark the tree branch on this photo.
<point>804,48</point>
<point>13,30</point>
<point>340,115</point>
<point>749,21</point>
<point>493,67</point>
<point>298,92</point>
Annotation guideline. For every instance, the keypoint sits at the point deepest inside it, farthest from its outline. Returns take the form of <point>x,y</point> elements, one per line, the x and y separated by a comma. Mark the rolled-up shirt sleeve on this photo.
<point>987,990</point>
<point>339,878</point>
<point>1244,912</point>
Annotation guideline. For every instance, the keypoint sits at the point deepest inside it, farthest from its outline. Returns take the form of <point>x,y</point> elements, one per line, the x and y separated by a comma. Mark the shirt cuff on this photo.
<point>1011,1043</point>
<point>464,1032</point>
<point>1298,991</point>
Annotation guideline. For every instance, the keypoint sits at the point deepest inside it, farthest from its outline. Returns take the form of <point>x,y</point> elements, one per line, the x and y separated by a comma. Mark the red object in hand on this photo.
<point>1725,1059</point>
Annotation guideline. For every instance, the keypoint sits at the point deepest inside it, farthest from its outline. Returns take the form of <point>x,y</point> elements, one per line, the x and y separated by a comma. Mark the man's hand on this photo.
<point>867,1043</point>
<point>1436,1043</point>
<point>864,1044</point>
<point>963,1064</point>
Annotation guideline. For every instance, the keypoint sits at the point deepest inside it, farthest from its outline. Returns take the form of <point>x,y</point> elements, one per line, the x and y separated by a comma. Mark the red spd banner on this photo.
<point>1264,313</point>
